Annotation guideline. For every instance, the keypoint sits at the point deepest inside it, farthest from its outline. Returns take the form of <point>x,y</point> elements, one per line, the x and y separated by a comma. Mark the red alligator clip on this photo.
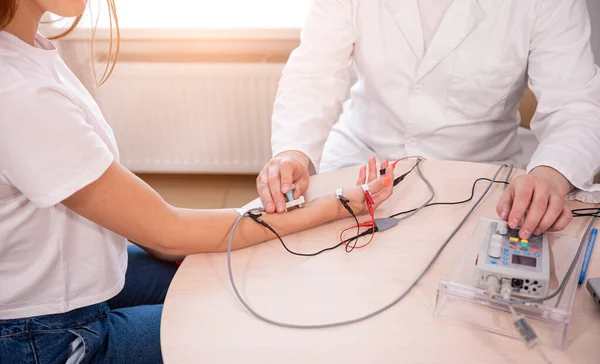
<point>370,202</point>
<point>369,199</point>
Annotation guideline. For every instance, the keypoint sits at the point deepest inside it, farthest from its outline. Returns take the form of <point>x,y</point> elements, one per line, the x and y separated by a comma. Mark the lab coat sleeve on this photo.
<point>315,81</point>
<point>566,82</point>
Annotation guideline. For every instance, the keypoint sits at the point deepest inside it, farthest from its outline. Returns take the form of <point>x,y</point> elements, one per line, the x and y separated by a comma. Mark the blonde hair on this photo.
<point>8,10</point>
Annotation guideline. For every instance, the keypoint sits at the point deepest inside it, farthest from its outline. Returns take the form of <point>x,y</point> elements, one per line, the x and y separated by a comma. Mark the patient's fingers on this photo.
<point>372,169</point>
<point>384,165</point>
<point>382,188</point>
<point>362,176</point>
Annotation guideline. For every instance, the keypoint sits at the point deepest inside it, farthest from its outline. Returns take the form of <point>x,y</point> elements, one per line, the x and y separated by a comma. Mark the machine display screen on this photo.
<point>523,260</point>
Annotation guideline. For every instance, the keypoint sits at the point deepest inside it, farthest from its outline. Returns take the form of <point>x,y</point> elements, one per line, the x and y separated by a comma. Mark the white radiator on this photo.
<point>191,117</point>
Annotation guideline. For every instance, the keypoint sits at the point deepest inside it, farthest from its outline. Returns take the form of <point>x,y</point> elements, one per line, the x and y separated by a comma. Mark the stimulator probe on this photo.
<point>521,266</point>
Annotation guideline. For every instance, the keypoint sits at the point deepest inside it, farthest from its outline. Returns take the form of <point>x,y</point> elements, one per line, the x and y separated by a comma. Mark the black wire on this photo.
<point>446,203</point>
<point>451,203</point>
<point>401,178</point>
<point>265,224</point>
<point>583,212</point>
<point>591,211</point>
<point>354,238</point>
<point>346,203</point>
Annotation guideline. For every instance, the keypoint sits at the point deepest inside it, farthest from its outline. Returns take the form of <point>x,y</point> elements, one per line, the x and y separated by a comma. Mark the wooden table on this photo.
<point>203,322</point>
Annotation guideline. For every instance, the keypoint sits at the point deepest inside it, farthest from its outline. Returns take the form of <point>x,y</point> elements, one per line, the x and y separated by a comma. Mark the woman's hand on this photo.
<point>380,188</point>
<point>539,197</point>
<point>277,177</point>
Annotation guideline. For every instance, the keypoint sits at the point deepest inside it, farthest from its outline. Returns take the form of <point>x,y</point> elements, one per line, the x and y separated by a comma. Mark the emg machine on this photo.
<point>504,258</point>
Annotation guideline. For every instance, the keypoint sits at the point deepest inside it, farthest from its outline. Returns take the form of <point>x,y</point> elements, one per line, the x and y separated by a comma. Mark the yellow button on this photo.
<point>512,238</point>
<point>524,241</point>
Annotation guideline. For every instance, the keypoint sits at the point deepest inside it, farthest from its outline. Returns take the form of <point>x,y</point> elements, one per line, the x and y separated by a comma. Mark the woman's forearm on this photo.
<point>121,202</point>
<point>202,231</point>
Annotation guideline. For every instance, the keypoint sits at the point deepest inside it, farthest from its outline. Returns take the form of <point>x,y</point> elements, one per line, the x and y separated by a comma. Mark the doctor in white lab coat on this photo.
<point>442,79</point>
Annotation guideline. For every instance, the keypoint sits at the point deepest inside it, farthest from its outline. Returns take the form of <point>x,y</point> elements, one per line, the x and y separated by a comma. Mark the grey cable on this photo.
<point>512,310</point>
<point>535,345</point>
<point>431,189</point>
<point>372,314</point>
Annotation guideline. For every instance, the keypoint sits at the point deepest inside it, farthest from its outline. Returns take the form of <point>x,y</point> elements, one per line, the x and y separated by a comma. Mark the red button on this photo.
<point>513,247</point>
<point>535,251</point>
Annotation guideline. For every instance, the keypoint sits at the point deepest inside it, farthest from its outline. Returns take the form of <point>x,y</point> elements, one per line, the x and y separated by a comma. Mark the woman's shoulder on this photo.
<point>17,79</point>
<point>24,100</point>
<point>18,90</point>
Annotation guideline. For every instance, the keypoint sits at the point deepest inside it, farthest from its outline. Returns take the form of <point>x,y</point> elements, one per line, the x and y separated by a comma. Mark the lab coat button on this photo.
<point>411,142</point>
<point>418,89</point>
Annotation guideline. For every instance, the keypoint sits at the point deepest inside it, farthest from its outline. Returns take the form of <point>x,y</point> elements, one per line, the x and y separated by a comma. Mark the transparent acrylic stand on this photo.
<point>459,299</point>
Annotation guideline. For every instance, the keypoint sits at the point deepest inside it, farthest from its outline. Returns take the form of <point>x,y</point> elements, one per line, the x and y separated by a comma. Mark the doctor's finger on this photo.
<point>505,203</point>
<point>555,208</point>
<point>265,193</point>
<point>275,188</point>
<point>287,176</point>
<point>522,198</point>
<point>537,209</point>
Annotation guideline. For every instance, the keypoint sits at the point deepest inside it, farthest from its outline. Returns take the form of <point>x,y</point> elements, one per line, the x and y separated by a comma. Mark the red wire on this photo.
<point>367,224</point>
<point>371,224</point>
<point>364,245</point>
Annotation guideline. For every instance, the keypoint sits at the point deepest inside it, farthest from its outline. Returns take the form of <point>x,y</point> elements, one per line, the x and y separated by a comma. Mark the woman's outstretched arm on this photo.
<point>123,203</point>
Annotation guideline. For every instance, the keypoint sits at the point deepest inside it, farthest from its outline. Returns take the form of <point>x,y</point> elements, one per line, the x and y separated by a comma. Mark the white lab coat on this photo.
<point>456,101</point>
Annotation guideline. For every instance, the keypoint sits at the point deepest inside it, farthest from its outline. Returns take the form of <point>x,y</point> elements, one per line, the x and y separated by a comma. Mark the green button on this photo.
<point>524,245</point>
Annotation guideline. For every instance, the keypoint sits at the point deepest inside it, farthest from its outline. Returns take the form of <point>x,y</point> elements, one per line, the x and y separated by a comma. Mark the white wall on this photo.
<point>594,8</point>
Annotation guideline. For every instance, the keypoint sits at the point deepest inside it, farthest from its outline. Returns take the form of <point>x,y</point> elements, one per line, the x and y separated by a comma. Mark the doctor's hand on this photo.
<point>539,197</point>
<point>277,177</point>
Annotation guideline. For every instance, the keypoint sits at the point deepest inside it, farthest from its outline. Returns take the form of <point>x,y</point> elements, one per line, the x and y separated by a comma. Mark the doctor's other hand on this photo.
<point>539,197</point>
<point>277,177</point>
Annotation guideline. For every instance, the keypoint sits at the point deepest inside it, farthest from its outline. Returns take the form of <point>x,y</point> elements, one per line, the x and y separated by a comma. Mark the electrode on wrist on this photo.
<point>344,201</point>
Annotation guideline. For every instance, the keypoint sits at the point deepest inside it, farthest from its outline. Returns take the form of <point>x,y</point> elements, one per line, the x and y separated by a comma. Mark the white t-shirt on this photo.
<point>53,142</point>
<point>432,14</point>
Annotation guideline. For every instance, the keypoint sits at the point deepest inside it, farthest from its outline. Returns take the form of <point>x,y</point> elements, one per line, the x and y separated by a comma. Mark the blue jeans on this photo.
<point>123,330</point>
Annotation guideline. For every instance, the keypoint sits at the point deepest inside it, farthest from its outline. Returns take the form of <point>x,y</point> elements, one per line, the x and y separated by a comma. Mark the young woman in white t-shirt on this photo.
<point>70,288</point>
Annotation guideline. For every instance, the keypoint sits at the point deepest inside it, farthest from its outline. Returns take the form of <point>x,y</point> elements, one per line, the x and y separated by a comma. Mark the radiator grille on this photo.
<point>191,117</point>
